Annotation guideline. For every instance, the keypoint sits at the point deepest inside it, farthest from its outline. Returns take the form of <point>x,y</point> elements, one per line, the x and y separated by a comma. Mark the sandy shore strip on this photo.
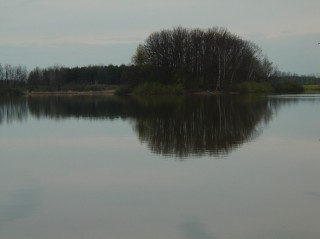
<point>70,93</point>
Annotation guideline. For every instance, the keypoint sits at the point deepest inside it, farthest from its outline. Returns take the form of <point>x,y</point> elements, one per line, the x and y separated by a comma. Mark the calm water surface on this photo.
<point>225,167</point>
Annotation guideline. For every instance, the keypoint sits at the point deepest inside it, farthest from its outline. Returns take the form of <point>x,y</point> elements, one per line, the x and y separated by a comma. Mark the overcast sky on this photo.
<point>82,32</point>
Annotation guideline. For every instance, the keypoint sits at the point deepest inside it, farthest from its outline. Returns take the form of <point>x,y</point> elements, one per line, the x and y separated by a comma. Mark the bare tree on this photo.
<point>212,58</point>
<point>2,73</point>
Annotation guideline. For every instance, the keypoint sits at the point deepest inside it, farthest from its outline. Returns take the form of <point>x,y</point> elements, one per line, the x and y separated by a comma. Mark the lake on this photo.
<point>219,167</point>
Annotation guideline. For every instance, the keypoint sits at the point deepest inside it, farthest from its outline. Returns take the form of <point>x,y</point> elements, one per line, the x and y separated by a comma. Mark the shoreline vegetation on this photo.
<point>311,88</point>
<point>169,62</point>
<point>157,89</point>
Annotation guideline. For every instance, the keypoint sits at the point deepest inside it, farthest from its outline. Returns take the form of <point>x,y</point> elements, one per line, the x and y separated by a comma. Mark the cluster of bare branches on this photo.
<point>13,75</point>
<point>212,58</point>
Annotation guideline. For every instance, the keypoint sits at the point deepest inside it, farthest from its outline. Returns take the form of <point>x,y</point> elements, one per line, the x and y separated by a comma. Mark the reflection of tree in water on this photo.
<point>13,109</point>
<point>88,107</point>
<point>204,125</point>
<point>178,126</point>
<point>170,125</point>
<point>97,107</point>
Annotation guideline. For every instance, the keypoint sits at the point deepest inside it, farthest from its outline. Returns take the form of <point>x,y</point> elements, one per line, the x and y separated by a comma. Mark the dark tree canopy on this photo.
<point>57,77</point>
<point>212,58</point>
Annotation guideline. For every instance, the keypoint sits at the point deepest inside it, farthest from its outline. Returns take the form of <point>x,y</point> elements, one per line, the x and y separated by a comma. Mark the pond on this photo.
<point>200,167</point>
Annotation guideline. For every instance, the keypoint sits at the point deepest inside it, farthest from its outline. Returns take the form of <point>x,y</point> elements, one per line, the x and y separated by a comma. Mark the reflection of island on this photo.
<point>179,126</point>
<point>203,125</point>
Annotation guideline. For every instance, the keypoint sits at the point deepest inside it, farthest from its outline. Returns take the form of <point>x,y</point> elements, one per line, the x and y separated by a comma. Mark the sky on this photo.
<point>88,32</point>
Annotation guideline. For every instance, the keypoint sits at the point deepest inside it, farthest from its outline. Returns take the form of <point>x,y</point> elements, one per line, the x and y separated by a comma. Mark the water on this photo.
<point>180,168</point>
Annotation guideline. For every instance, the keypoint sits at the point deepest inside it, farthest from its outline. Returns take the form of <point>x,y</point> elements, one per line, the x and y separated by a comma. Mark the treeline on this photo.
<point>213,59</point>
<point>58,77</point>
<point>282,77</point>
<point>13,76</point>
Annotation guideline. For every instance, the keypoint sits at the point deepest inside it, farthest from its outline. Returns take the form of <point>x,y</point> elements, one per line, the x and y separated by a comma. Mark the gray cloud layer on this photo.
<point>46,32</point>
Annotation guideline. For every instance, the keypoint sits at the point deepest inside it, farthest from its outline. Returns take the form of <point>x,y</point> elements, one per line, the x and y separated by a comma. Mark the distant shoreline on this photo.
<point>70,93</point>
<point>157,89</point>
<point>112,93</point>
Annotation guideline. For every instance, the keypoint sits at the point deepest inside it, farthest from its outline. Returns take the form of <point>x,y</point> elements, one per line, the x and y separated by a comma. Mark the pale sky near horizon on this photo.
<point>82,32</point>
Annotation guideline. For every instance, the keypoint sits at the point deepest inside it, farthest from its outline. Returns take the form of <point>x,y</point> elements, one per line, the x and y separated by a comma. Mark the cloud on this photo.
<point>69,40</point>
<point>59,23</point>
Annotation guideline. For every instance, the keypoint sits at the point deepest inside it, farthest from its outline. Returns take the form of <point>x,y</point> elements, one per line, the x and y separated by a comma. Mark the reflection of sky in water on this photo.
<point>20,204</point>
<point>297,121</point>
<point>96,180</point>
<point>195,230</point>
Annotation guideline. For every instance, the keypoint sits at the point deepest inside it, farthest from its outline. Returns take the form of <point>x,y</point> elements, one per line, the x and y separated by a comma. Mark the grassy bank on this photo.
<point>244,87</point>
<point>72,90</point>
<point>253,87</point>
<point>73,87</point>
<point>152,88</point>
<point>64,90</point>
<point>311,87</point>
<point>266,87</point>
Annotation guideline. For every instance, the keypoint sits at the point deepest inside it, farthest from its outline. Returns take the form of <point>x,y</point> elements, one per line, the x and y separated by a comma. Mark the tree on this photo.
<point>9,73</point>
<point>212,58</point>
<point>2,73</point>
<point>35,77</point>
<point>21,74</point>
<point>140,57</point>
